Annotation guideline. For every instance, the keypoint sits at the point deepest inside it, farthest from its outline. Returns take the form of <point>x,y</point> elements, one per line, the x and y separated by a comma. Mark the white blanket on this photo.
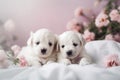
<point>55,71</point>
<point>99,49</point>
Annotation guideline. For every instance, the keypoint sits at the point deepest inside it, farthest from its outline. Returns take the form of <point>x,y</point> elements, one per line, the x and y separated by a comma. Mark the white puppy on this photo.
<point>71,48</point>
<point>40,48</point>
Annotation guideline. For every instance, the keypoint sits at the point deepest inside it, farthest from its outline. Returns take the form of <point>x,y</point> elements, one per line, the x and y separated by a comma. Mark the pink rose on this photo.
<point>78,12</point>
<point>96,3</point>
<point>119,8</point>
<point>109,37</point>
<point>16,49</point>
<point>102,20</point>
<point>111,60</point>
<point>74,25</point>
<point>23,61</point>
<point>117,37</point>
<point>88,36</point>
<point>9,25</point>
<point>114,15</point>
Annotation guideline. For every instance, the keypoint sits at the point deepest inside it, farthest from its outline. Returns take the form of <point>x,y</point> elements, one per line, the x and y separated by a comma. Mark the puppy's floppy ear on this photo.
<point>30,40</point>
<point>82,40</point>
<point>57,47</point>
<point>56,44</point>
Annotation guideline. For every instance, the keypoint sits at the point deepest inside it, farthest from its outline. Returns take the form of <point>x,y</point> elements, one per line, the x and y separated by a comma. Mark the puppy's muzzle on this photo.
<point>43,51</point>
<point>69,53</point>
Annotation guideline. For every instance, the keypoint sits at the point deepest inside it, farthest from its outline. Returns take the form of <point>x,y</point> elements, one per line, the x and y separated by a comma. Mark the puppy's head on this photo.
<point>42,42</point>
<point>70,44</point>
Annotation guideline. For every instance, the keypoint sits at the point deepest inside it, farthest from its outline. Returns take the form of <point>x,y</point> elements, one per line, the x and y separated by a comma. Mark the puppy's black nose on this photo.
<point>43,51</point>
<point>69,53</point>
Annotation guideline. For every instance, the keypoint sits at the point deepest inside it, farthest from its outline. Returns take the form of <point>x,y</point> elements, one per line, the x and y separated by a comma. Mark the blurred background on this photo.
<point>30,15</point>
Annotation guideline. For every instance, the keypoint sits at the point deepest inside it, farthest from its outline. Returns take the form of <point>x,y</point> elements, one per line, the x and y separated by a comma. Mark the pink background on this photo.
<point>30,15</point>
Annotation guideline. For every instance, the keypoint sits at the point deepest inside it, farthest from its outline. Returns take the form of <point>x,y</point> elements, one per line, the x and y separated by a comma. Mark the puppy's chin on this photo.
<point>72,56</point>
<point>68,57</point>
<point>44,55</point>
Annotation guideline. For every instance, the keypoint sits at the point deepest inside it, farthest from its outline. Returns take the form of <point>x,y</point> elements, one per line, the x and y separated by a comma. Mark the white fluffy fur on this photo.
<point>79,55</point>
<point>32,52</point>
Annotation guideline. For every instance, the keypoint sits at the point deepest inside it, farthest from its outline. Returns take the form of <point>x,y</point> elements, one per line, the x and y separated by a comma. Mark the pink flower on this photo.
<point>23,61</point>
<point>102,20</point>
<point>109,37</point>
<point>9,25</point>
<point>111,60</point>
<point>85,24</point>
<point>74,25</point>
<point>88,36</point>
<point>117,37</point>
<point>114,15</point>
<point>78,12</point>
<point>119,8</point>
<point>16,49</point>
<point>3,59</point>
<point>96,3</point>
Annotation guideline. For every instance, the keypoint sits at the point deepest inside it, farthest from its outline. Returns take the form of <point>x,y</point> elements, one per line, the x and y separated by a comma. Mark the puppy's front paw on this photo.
<point>36,64</point>
<point>66,62</point>
<point>50,62</point>
<point>84,62</point>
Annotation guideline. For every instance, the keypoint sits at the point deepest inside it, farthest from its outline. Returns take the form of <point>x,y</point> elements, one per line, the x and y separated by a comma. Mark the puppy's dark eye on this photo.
<point>50,44</point>
<point>37,43</point>
<point>62,46</point>
<point>75,44</point>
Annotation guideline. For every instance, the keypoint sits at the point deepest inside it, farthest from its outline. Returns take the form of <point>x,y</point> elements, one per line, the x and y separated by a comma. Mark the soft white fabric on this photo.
<point>55,71</point>
<point>99,49</point>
